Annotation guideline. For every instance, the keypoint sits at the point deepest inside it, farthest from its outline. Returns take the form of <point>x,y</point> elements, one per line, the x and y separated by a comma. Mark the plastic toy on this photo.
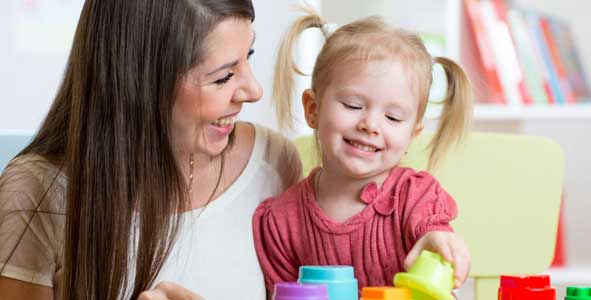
<point>297,291</point>
<point>429,278</point>
<point>385,293</point>
<point>340,280</point>
<point>578,293</point>
<point>526,288</point>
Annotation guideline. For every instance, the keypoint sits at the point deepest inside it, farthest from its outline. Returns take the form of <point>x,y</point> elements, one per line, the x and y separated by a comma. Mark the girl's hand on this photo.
<point>169,291</point>
<point>450,246</point>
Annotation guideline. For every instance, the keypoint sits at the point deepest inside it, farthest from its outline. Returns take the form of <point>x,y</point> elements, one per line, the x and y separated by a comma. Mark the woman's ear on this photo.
<point>310,108</point>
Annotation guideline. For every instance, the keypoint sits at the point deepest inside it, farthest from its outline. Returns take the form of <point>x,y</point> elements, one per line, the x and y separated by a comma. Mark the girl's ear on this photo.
<point>418,129</point>
<point>310,108</point>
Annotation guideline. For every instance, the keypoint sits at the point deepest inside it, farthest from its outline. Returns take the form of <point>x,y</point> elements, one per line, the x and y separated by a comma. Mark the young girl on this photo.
<point>370,87</point>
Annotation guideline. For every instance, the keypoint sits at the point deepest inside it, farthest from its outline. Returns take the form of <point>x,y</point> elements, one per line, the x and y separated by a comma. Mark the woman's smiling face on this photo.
<point>210,96</point>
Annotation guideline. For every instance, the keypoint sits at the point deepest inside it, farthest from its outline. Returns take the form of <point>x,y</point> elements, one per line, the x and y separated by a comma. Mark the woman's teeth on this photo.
<point>225,121</point>
<point>362,147</point>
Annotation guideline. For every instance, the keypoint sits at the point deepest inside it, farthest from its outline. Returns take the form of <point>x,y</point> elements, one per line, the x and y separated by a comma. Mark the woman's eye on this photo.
<point>226,78</point>
<point>349,106</point>
<point>250,53</point>
<point>393,118</point>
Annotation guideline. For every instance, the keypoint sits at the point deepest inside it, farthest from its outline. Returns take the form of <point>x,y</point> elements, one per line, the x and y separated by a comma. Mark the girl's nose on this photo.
<point>368,125</point>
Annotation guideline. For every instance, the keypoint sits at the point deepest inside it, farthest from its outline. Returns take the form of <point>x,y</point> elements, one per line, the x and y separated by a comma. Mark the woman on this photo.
<point>140,177</point>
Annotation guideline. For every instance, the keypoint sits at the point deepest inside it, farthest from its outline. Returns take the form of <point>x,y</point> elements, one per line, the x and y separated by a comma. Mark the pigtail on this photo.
<point>456,114</point>
<point>283,83</point>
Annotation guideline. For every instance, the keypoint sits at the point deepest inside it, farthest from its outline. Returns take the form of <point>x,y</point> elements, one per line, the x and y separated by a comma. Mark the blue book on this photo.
<point>533,21</point>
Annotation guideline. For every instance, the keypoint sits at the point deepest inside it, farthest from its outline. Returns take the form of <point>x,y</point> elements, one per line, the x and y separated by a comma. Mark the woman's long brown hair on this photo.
<point>109,130</point>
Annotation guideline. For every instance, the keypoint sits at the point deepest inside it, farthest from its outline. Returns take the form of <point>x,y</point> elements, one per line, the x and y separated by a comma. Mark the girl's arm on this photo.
<point>12,289</point>
<point>428,210</point>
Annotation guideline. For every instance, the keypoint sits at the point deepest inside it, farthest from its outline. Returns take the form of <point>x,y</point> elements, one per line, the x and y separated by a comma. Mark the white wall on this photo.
<point>273,17</point>
<point>35,46</point>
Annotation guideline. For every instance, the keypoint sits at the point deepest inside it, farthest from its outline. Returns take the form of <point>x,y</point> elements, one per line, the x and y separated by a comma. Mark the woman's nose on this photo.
<point>250,89</point>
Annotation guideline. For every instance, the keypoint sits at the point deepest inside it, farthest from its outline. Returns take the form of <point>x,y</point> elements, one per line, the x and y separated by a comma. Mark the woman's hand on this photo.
<point>450,246</point>
<point>169,291</point>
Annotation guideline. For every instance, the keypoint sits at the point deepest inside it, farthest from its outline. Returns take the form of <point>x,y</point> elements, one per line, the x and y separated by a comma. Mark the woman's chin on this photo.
<point>216,148</point>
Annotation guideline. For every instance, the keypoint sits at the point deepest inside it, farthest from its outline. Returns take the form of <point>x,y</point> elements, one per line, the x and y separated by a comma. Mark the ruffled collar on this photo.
<point>381,197</point>
<point>378,199</point>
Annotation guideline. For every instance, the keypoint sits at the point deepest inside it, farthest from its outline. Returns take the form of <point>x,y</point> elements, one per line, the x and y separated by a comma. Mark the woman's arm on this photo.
<point>169,291</point>
<point>12,289</point>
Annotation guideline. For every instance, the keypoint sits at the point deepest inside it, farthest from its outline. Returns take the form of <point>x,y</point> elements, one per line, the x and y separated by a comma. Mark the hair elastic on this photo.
<point>328,29</point>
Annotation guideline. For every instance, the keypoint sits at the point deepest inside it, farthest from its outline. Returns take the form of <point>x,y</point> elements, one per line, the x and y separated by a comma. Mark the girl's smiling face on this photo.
<point>365,119</point>
<point>211,95</point>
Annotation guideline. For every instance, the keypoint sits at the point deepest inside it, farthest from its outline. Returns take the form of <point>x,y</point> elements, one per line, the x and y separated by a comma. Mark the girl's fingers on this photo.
<point>412,255</point>
<point>439,242</point>
<point>461,262</point>
<point>443,248</point>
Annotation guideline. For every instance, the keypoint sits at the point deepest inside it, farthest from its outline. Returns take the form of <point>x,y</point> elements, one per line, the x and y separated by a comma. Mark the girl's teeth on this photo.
<point>363,147</point>
<point>225,121</point>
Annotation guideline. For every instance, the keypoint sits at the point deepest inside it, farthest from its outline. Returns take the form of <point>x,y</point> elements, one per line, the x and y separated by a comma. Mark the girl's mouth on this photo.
<point>362,147</point>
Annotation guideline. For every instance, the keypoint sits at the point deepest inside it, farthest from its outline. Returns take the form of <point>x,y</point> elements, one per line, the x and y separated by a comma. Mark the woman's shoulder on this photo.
<point>29,167</point>
<point>271,142</point>
<point>279,153</point>
<point>32,176</point>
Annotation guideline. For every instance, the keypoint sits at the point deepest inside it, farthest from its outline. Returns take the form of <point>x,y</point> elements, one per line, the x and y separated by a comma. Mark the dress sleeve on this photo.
<point>428,207</point>
<point>272,246</point>
<point>31,228</point>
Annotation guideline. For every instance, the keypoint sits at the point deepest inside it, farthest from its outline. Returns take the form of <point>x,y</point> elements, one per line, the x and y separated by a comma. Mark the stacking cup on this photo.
<point>429,278</point>
<point>340,280</point>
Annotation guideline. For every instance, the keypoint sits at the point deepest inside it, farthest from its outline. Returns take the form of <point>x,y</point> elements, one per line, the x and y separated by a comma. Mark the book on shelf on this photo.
<point>556,59</point>
<point>518,57</point>
<point>536,80</point>
<point>571,60</point>
<point>555,93</point>
<point>503,52</point>
<point>480,62</point>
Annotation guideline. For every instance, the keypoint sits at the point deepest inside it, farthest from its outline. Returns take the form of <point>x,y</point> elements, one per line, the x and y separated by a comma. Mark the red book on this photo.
<point>491,91</point>
<point>501,10</point>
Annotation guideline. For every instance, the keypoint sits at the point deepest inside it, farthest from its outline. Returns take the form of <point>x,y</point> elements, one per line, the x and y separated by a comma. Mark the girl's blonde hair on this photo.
<point>370,39</point>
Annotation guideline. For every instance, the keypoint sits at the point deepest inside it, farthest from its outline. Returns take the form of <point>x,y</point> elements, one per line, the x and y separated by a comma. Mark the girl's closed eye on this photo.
<point>250,53</point>
<point>351,106</point>
<point>393,118</point>
<point>225,79</point>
